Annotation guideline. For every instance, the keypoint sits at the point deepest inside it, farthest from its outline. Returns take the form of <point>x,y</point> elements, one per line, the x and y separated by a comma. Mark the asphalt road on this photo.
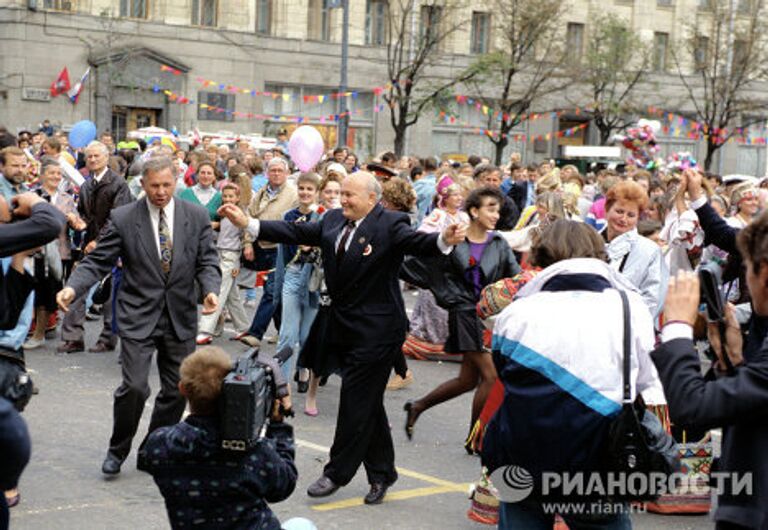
<point>70,421</point>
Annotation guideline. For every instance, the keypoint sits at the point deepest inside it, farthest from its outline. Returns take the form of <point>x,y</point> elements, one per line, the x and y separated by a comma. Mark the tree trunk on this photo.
<point>605,134</point>
<point>399,146</point>
<point>499,148</point>
<point>712,148</point>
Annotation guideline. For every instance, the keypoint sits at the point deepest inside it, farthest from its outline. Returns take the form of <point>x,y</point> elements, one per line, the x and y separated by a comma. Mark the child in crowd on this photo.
<point>230,245</point>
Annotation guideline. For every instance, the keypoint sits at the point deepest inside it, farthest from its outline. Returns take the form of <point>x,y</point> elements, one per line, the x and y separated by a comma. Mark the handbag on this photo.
<point>637,441</point>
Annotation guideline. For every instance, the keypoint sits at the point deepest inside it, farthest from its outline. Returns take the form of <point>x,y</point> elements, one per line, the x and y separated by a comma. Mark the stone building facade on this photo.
<point>139,51</point>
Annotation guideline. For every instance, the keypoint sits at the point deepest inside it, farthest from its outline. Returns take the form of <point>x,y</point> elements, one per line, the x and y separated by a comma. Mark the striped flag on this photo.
<point>74,92</point>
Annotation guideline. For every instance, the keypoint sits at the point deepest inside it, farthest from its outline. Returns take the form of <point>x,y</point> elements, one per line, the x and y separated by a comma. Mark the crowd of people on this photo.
<point>511,265</point>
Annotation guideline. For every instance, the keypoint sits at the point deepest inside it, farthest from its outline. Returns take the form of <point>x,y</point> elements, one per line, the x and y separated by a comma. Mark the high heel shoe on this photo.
<point>410,419</point>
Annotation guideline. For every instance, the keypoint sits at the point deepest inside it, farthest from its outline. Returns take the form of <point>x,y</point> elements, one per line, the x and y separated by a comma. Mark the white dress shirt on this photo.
<point>154,216</point>
<point>100,175</point>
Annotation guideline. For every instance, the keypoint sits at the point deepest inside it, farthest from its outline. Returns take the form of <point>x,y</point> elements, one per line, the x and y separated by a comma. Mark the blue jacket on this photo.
<point>208,487</point>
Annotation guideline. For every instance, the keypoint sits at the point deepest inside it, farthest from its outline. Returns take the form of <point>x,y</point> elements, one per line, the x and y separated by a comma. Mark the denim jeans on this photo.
<point>266,309</point>
<point>299,308</point>
<point>530,515</point>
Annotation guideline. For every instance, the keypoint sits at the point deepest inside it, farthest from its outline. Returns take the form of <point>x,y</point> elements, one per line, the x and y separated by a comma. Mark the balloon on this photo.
<point>299,523</point>
<point>82,133</point>
<point>306,147</point>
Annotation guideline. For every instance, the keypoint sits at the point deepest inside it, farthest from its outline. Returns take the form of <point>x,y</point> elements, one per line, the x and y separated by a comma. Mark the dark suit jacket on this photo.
<point>144,292</point>
<point>98,199</point>
<point>519,193</point>
<point>739,404</point>
<point>367,307</point>
<point>43,225</point>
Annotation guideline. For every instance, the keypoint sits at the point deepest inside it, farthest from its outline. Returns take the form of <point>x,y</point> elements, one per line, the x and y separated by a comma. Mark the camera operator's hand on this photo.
<point>24,202</point>
<point>65,297</point>
<point>682,304</point>
<point>733,339</point>
<point>693,181</point>
<point>280,408</point>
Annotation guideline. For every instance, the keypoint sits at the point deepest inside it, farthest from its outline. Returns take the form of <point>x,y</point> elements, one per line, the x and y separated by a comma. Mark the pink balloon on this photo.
<point>306,147</point>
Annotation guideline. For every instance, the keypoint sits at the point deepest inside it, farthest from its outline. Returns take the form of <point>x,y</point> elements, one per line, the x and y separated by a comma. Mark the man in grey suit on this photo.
<point>165,246</point>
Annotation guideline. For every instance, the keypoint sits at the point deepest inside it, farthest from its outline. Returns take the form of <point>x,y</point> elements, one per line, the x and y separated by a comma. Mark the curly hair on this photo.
<point>398,194</point>
<point>627,191</point>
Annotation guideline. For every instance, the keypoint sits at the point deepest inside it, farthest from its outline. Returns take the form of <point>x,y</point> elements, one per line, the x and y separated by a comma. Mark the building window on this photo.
<point>133,8</point>
<point>705,5</point>
<point>575,41</point>
<point>59,5</point>
<point>664,3</point>
<point>376,22</point>
<point>660,45</point>
<point>204,12</point>
<point>221,103</point>
<point>319,20</point>
<point>481,32</point>
<point>701,53</point>
<point>264,17</point>
<point>431,17</point>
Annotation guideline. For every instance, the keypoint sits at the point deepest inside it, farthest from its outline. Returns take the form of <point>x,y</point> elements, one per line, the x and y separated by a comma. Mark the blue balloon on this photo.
<point>299,523</point>
<point>82,133</point>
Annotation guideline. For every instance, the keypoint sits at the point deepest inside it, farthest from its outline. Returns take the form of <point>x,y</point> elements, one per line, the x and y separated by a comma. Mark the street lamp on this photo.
<point>343,123</point>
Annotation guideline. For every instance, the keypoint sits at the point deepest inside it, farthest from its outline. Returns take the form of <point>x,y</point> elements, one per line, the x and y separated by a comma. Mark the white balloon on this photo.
<point>299,523</point>
<point>653,124</point>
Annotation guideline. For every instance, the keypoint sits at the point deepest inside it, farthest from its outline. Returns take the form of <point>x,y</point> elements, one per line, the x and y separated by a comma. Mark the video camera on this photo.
<point>248,395</point>
<point>712,297</point>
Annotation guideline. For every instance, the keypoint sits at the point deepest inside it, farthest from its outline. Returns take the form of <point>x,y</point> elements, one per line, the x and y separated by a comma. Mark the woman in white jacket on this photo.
<point>636,257</point>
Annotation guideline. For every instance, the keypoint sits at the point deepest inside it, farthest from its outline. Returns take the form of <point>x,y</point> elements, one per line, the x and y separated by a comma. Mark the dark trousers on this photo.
<point>136,357</point>
<point>267,309</point>
<point>362,429</point>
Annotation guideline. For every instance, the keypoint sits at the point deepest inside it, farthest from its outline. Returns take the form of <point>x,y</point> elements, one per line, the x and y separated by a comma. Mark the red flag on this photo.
<point>61,85</point>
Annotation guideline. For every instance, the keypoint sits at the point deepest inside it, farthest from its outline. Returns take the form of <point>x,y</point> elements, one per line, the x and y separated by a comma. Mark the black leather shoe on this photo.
<point>111,465</point>
<point>322,487</point>
<point>377,493</point>
<point>71,346</point>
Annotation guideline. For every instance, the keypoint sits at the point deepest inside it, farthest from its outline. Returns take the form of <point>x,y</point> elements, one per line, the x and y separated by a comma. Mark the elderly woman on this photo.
<point>563,387</point>
<point>636,257</point>
<point>57,255</point>
<point>204,192</point>
<point>744,200</point>
<point>429,322</point>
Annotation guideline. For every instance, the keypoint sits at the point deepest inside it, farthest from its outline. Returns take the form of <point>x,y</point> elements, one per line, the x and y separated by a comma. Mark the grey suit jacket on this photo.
<point>144,292</point>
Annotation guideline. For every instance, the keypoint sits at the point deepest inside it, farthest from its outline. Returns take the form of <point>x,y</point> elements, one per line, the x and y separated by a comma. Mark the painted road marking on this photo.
<point>440,485</point>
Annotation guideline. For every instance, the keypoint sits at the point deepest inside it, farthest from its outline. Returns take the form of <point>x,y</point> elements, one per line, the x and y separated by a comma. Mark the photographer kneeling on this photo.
<point>204,485</point>
<point>735,399</point>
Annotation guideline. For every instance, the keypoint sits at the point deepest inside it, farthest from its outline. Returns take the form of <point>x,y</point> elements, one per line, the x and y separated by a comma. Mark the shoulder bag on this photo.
<point>637,441</point>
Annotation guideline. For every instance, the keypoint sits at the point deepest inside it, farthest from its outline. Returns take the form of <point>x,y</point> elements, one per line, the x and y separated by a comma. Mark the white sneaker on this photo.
<point>272,339</point>
<point>33,343</point>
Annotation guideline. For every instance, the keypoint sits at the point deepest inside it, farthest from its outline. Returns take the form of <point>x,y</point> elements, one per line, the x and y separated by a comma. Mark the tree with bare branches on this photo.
<point>524,67</point>
<point>615,63</point>
<point>417,46</point>
<point>721,63</point>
